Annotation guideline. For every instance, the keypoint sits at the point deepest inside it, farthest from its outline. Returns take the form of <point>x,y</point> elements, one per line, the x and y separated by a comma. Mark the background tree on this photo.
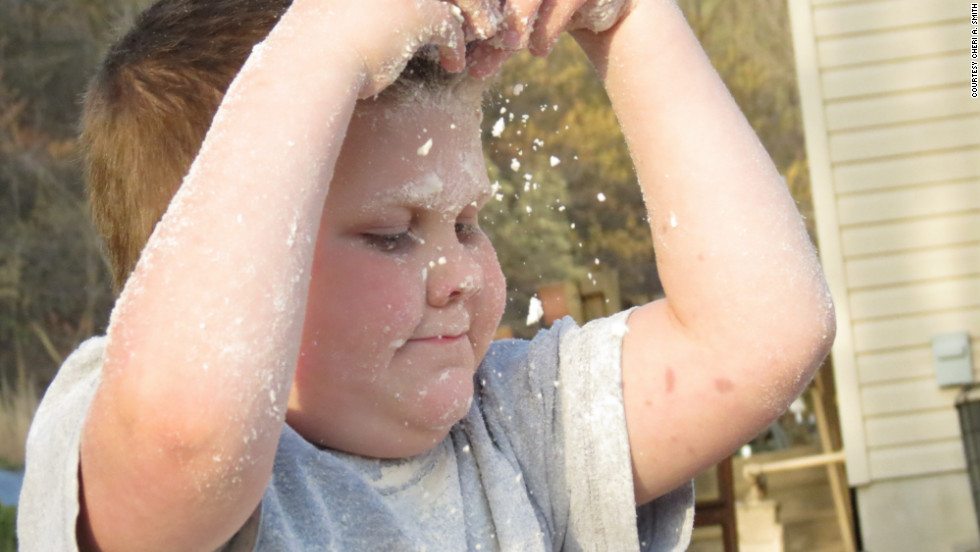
<point>54,288</point>
<point>53,283</point>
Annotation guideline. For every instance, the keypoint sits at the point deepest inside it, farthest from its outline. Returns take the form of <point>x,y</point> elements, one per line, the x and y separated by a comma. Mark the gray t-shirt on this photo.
<point>540,462</point>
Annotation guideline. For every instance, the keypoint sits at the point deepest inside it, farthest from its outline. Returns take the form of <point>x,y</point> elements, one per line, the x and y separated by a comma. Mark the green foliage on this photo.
<point>558,122</point>
<point>8,529</point>
<point>526,222</point>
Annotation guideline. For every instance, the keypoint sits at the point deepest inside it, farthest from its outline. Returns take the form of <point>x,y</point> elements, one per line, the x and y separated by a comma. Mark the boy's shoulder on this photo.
<point>549,345</point>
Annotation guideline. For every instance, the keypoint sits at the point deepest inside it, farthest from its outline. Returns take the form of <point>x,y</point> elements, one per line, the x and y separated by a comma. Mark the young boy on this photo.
<point>301,358</point>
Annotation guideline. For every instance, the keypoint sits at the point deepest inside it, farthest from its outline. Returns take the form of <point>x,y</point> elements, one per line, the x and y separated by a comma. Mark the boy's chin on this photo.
<point>444,402</point>
<point>451,414</point>
<point>433,415</point>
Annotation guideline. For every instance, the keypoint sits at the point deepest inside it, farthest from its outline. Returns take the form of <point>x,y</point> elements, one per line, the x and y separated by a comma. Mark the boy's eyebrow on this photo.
<point>430,192</point>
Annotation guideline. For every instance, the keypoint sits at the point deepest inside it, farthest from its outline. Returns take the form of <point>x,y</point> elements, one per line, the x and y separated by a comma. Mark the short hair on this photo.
<point>149,106</point>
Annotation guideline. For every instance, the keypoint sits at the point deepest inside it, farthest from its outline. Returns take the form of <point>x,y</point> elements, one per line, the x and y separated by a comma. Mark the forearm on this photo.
<point>732,253</point>
<point>204,339</point>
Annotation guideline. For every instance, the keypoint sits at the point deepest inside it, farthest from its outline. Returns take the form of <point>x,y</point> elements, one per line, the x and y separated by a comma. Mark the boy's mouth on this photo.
<point>440,339</point>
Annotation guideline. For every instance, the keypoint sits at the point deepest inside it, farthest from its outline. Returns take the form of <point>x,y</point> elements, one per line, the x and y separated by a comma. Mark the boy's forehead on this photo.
<point>423,155</point>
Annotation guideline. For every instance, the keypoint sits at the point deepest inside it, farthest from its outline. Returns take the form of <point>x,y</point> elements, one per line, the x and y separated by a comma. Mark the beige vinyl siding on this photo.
<point>918,395</point>
<point>922,458</point>
<point>896,76</point>
<point>894,145</point>
<point>917,299</point>
<point>858,17</point>
<point>907,363</point>
<point>910,331</point>
<point>892,44</point>
<point>916,427</point>
<point>913,266</point>
<point>912,428</point>
<point>892,204</point>
<point>908,170</point>
<point>936,134</point>
<point>896,108</point>
<point>905,235</point>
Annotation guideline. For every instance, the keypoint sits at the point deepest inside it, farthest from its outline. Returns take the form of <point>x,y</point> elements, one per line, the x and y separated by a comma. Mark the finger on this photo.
<point>447,33</point>
<point>434,23</point>
<point>485,61</point>
<point>515,29</point>
<point>553,18</point>
<point>482,18</point>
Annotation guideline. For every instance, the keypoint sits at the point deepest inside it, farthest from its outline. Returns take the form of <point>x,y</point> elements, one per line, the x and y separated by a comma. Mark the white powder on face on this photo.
<point>424,148</point>
<point>424,191</point>
<point>395,344</point>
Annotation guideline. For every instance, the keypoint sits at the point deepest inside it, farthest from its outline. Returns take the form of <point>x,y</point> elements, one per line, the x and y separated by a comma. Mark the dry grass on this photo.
<point>18,402</point>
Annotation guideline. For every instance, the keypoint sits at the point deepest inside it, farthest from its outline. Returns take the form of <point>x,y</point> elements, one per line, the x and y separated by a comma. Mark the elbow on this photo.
<point>825,325</point>
<point>801,337</point>
<point>815,331</point>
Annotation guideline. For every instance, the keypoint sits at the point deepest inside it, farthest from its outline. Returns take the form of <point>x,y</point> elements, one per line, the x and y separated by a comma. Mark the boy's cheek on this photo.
<point>492,309</point>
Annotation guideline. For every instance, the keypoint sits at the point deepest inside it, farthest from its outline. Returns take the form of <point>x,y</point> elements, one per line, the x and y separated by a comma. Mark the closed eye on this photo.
<point>389,242</point>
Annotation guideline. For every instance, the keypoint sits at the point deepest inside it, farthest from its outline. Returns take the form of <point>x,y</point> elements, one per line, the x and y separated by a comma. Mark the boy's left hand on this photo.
<point>537,24</point>
<point>482,18</point>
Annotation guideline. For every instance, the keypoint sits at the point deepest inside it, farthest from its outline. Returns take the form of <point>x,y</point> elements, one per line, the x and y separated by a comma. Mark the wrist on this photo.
<point>646,29</point>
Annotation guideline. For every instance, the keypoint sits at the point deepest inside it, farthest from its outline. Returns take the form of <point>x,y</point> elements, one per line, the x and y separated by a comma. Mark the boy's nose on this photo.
<point>452,277</point>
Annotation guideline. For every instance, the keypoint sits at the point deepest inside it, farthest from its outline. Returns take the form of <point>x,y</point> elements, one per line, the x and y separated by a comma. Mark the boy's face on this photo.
<point>406,290</point>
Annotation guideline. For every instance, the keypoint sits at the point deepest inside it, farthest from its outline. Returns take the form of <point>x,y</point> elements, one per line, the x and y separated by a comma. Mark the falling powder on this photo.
<point>424,148</point>
<point>555,161</point>
<point>498,128</point>
<point>601,196</point>
<point>535,310</point>
<point>515,164</point>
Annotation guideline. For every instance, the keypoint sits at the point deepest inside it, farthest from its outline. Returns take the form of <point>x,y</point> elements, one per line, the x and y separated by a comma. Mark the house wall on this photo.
<point>924,514</point>
<point>893,139</point>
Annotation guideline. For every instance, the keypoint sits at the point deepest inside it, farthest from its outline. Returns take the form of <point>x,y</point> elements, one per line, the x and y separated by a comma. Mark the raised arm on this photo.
<point>747,317</point>
<point>179,443</point>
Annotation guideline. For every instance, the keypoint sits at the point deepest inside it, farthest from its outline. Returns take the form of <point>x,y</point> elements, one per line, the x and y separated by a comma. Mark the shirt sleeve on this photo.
<point>47,509</point>
<point>559,400</point>
<point>602,506</point>
<point>48,506</point>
